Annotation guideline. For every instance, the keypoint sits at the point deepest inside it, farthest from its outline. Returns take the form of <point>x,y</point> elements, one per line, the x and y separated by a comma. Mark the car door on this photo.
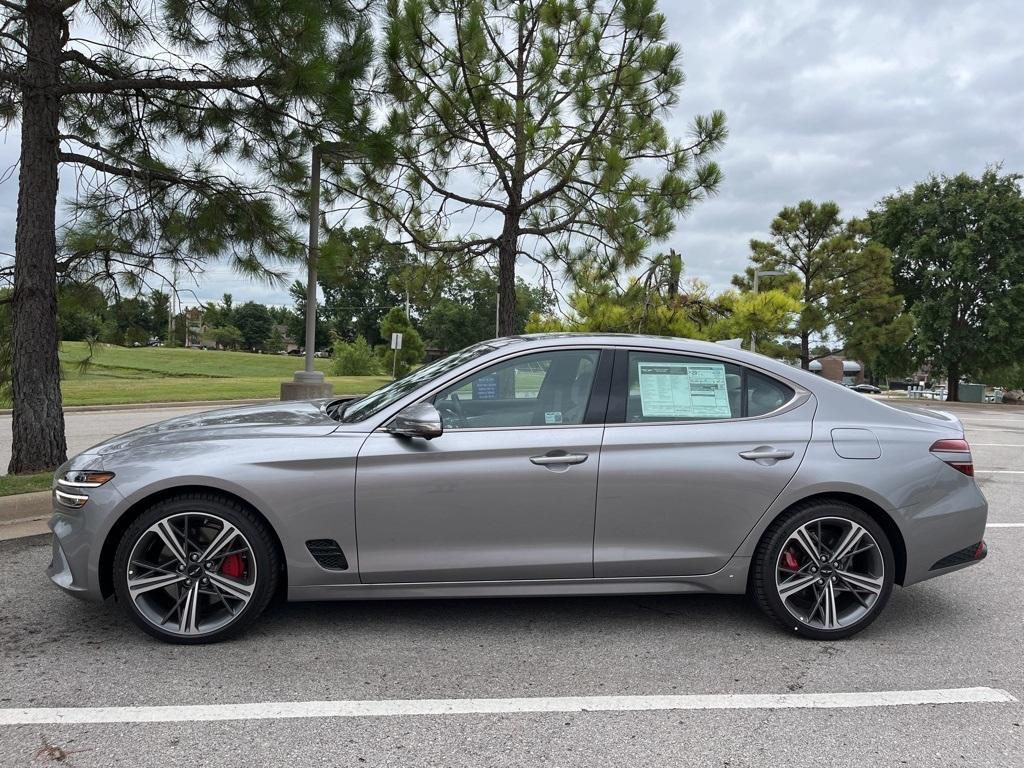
<point>506,492</point>
<point>694,452</point>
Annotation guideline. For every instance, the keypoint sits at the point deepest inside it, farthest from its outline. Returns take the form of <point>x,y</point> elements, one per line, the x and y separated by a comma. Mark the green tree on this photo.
<point>542,118</point>
<point>660,300</point>
<point>275,341</point>
<point>296,321</point>
<point>186,126</point>
<point>81,308</point>
<point>254,322</point>
<point>844,278</point>
<point>412,349</point>
<point>362,276</point>
<point>958,259</point>
<point>465,312</point>
<point>227,336</point>
<point>355,358</point>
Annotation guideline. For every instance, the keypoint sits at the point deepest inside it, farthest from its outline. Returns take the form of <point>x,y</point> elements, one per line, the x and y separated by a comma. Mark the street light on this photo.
<point>758,274</point>
<point>309,383</point>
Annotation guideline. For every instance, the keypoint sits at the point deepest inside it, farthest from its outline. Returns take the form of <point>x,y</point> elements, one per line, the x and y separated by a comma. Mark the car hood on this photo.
<point>293,419</point>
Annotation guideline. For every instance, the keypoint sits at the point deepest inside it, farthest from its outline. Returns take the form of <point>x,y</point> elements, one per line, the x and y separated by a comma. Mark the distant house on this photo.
<point>838,369</point>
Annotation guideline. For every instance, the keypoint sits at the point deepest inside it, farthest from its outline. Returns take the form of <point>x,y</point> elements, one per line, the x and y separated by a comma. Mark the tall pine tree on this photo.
<point>533,129</point>
<point>187,126</point>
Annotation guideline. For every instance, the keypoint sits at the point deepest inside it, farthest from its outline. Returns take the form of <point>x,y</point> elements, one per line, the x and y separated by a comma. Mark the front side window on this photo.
<point>542,389</point>
<point>666,387</point>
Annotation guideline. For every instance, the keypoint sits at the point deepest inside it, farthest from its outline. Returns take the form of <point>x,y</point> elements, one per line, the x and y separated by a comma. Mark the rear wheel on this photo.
<point>195,568</point>
<point>825,570</point>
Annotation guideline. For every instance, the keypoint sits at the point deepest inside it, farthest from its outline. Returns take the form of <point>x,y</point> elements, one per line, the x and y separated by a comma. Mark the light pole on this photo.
<point>758,274</point>
<point>309,383</point>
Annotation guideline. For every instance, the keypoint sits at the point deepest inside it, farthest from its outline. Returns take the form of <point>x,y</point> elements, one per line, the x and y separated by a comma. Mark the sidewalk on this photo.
<point>24,514</point>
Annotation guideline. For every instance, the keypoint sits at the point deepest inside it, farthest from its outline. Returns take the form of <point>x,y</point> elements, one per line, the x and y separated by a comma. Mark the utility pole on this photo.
<point>309,383</point>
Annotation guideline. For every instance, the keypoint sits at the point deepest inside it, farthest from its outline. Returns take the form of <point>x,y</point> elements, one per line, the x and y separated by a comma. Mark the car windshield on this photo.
<point>380,399</point>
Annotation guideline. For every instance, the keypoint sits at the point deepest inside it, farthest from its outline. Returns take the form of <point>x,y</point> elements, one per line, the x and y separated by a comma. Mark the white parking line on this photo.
<point>393,707</point>
<point>1000,471</point>
<point>1004,525</point>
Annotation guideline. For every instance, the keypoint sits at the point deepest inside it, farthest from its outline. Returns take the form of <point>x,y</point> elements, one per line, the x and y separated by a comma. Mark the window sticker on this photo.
<point>486,387</point>
<point>684,390</point>
<point>552,417</point>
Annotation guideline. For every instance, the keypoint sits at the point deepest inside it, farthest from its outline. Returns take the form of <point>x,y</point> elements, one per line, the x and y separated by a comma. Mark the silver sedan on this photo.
<point>535,465</point>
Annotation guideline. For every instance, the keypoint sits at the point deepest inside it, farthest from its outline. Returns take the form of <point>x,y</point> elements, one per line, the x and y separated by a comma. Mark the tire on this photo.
<point>159,569</point>
<point>826,600</point>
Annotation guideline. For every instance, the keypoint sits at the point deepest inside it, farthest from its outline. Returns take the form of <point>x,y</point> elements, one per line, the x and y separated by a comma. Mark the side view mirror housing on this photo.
<point>419,420</point>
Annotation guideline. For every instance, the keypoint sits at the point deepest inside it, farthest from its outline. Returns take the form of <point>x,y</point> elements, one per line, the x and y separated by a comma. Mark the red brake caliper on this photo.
<point>233,566</point>
<point>789,560</point>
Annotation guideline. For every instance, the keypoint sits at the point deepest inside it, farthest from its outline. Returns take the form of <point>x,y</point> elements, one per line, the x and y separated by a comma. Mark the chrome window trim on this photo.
<point>800,396</point>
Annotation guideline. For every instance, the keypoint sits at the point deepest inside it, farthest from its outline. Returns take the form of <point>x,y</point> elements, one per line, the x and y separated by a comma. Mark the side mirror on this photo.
<point>419,420</point>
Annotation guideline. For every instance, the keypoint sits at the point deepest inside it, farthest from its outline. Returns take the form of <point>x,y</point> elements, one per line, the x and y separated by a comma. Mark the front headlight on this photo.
<point>78,479</point>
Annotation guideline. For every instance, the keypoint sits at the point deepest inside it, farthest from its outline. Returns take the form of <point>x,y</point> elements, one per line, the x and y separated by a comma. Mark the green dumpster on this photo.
<point>972,393</point>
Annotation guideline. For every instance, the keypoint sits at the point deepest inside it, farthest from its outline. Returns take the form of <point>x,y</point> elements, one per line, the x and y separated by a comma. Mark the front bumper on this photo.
<point>78,538</point>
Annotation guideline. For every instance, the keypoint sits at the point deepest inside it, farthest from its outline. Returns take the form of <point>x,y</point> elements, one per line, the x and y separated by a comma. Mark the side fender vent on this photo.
<point>328,554</point>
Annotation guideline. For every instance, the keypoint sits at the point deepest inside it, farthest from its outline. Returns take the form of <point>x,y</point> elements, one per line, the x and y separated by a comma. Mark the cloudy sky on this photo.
<point>845,101</point>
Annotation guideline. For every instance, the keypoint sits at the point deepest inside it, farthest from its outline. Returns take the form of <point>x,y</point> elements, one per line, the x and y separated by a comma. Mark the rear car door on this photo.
<point>506,493</point>
<point>694,452</point>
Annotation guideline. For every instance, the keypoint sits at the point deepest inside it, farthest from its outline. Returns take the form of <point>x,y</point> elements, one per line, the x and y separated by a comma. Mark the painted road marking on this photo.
<point>406,707</point>
<point>1000,471</point>
<point>1004,525</point>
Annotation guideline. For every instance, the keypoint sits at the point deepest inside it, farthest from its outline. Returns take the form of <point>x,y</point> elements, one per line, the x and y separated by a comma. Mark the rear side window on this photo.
<point>765,394</point>
<point>665,387</point>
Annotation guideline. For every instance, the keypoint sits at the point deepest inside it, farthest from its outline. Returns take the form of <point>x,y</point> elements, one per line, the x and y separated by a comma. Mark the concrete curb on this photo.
<point>25,506</point>
<point>153,406</point>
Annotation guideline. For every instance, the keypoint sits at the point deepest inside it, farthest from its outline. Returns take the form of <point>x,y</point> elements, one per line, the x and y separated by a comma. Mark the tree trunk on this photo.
<point>805,351</point>
<point>953,383</point>
<point>507,308</point>
<point>38,418</point>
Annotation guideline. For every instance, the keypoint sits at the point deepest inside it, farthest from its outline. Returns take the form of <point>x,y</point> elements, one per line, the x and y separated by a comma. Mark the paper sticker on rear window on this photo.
<point>684,390</point>
<point>552,417</point>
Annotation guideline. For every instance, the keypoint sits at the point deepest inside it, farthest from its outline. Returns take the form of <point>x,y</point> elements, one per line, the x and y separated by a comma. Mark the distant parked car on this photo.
<point>867,389</point>
<point>295,352</point>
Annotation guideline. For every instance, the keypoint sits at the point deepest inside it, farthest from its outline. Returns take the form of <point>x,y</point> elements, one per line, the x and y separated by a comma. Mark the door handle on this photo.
<point>765,455</point>
<point>560,457</point>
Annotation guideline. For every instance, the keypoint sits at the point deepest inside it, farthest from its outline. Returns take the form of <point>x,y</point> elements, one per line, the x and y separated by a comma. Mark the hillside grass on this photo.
<point>122,375</point>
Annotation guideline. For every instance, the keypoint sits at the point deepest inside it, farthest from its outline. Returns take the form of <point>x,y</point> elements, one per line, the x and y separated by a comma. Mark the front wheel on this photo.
<point>824,569</point>
<point>195,568</point>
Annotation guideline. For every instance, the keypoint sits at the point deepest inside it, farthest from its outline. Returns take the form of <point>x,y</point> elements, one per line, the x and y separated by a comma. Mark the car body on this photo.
<point>603,473</point>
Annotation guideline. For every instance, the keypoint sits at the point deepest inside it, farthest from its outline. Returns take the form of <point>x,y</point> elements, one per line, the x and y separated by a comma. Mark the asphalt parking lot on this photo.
<point>964,631</point>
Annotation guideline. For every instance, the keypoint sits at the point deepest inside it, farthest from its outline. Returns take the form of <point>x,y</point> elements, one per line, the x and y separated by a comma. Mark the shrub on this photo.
<point>355,358</point>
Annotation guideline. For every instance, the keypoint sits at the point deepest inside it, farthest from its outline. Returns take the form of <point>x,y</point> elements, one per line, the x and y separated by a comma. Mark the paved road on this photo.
<point>959,631</point>
<point>86,428</point>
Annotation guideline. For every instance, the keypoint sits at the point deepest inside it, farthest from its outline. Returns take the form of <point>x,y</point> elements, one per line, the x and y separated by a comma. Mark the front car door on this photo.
<point>506,493</point>
<point>695,451</point>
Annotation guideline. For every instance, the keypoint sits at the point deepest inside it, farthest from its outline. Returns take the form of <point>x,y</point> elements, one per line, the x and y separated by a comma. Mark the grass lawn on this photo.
<point>12,484</point>
<point>167,374</point>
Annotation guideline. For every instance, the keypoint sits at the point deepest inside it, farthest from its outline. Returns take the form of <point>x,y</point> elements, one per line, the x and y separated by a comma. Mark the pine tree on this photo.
<point>187,125</point>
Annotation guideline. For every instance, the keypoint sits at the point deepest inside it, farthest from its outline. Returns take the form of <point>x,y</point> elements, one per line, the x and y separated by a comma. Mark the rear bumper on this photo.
<point>945,535</point>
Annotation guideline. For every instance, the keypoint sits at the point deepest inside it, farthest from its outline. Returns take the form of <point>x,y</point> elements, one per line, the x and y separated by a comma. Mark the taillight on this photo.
<point>956,453</point>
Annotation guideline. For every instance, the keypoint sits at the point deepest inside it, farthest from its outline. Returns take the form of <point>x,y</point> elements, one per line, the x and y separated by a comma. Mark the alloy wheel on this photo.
<point>191,573</point>
<point>830,573</point>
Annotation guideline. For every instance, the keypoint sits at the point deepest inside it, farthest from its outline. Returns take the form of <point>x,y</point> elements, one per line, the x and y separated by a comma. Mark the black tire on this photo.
<point>256,534</point>
<point>769,556</point>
